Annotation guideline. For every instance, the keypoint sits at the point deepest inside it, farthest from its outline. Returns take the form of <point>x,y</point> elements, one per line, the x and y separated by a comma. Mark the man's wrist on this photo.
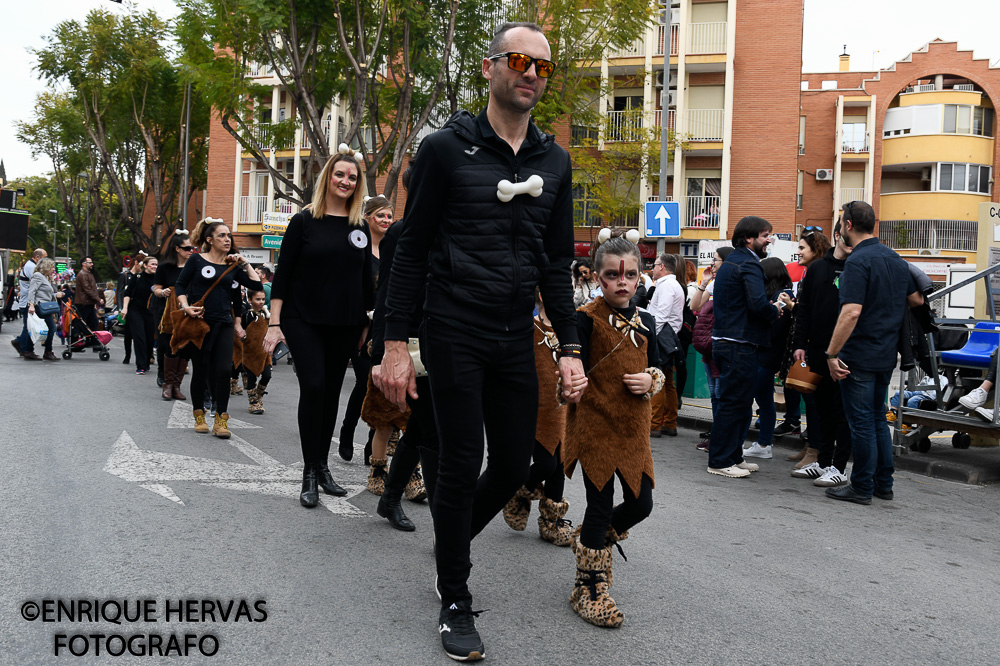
<point>830,356</point>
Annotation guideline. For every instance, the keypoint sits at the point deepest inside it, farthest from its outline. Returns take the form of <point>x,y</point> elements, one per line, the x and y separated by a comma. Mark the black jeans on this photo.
<point>602,512</point>
<point>477,383</point>
<point>210,366</point>
<point>321,354</point>
<point>88,314</point>
<point>738,363</point>
<point>833,435</point>
<point>140,322</point>
<point>547,468</point>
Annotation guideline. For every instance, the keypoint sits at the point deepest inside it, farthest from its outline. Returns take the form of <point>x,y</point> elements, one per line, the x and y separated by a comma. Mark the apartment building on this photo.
<point>730,74</point>
<point>916,140</point>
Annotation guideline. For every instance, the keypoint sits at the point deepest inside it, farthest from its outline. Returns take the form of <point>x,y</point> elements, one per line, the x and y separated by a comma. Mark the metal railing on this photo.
<point>705,124</point>
<point>661,40</point>
<point>258,70</point>
<point>848,194</point>
<point>707,38</point>
<point>671,118</point>
<point>636,49</point>
<point>261,132</point>
<point>855,145</point>
<point>930,234</point>
<point>252,209</point>
<point>624,125</point>
<point>581,135</point>
<point>702,212</point>
<point>283,206</point>
<point>304,143</point>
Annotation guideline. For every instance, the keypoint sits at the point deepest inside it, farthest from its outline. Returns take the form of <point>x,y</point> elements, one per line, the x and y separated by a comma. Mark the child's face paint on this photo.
<point>618,283</point>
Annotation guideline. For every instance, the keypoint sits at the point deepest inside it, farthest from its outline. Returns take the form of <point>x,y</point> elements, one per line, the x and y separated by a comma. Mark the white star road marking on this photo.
<point>152,469</point>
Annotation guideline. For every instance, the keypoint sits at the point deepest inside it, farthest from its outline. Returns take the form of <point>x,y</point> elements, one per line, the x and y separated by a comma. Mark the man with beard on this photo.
<point>475,258</point>
<point>743,315</point>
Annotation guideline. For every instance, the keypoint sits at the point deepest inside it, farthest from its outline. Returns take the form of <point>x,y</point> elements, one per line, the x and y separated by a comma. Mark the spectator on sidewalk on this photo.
<point>743,316</point>
<point>667,308</point>
<point>875,289</point>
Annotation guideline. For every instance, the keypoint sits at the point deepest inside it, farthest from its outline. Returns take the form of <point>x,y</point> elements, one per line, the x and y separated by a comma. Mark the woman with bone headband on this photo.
<point>173,257</point>
<point>607,432</point>
<point>213,362</point>
<point>324,326</point>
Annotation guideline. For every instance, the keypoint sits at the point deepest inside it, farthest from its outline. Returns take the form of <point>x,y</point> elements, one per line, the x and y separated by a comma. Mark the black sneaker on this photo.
<point>786,428</point>
<point>459,638</point>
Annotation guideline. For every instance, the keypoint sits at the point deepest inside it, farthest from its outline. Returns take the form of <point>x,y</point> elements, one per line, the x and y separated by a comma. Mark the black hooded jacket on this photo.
<point>481,258</point>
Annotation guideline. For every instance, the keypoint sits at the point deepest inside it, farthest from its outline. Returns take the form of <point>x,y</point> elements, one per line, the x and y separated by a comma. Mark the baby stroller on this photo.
<point>79,336</point>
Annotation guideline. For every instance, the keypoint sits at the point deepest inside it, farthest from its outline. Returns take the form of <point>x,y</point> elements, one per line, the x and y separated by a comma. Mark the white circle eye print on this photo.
<point>358,239</point>
<point>236,285</point>
<point>208,272</point>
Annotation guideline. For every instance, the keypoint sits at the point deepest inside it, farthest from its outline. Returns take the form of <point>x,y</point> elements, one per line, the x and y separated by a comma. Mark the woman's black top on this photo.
<point>167,274</point>
<point>199,274</point>
<point>314,249</point>
<point>139,290</point>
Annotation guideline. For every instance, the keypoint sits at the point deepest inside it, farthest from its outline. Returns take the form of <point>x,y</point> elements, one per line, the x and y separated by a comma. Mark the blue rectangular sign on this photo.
<point>663,219</point>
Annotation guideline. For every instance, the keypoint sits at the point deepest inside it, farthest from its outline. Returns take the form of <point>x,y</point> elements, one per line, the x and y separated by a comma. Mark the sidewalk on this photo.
<point>976,465</point>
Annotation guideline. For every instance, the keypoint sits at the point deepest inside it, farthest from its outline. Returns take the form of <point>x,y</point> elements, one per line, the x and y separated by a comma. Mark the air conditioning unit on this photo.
<point>658,79</point>
<point>925,174</point>
<point>929,253</point>
<point>824,174</point>
<point>672,81</point>
<point>672,98</point>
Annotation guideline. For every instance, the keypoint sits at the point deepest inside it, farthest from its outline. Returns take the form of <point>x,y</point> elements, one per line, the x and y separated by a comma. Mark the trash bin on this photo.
<point>696,385</point>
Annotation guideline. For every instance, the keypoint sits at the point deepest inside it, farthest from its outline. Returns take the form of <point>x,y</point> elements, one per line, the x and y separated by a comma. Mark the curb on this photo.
<point>916,463</point>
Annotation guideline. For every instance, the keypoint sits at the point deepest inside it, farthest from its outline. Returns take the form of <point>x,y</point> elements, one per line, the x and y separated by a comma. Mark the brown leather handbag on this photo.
<point>192,330</point>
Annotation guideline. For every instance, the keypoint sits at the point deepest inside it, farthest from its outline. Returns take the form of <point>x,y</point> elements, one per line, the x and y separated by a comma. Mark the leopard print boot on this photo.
<point>551,525</point>
<point>415,490</point>
<point>376,476</point>
<point>390,448</point>
<point>590,598</point>
<point>517,509</point>
<point>611,541</point>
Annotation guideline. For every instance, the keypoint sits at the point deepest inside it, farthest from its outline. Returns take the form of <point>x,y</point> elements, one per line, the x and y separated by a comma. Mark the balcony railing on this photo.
<point>661,39</point>
<point>261,133</point>
<point>702,212</point>
<point>624,125</point>
<point>960,235</point>
<point>636,49</point>
<point>252,209</point>
<point>671,118</point>
<point>855,145</point>
<point>705,124</point>
<point>259,70</point>
<point>848,194</point>
<point>304,143</point>
<point>707,38</point>
<point>581,135</point>
<point>283,206</point>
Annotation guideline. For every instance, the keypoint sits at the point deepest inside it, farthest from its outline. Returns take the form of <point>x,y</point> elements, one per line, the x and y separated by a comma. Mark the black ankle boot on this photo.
<point>326,482</point>
<point>346,445</point>
<point>390,508</point>
<point>310,495</point>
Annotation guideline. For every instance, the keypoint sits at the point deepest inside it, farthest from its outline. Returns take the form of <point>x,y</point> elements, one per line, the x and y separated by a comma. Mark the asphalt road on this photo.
<point>751,571</point>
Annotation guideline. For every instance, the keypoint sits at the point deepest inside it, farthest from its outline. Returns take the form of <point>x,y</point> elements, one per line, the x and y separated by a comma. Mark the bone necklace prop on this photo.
<point>507,190</point>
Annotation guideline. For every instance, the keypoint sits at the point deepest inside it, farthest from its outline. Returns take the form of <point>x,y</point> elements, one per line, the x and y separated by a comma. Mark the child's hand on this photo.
<point>639,383</point>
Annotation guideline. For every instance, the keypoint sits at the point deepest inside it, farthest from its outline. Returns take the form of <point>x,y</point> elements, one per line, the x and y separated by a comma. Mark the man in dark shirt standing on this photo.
<point>87,296</point>
<point>743,315</point>
<point>488,218</point>
<point>875,289</point>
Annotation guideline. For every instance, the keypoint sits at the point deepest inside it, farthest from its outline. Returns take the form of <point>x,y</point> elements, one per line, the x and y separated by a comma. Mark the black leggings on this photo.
<point>477,383</point>
<point>210,367</point>
<point>321,354</point>
<point>361,363</point>
<point>548,468</point>
<point>602,512</point>
<point>832,436</point>
<point>141,324</point>
<point>420,441</point>
<point>251,381</point>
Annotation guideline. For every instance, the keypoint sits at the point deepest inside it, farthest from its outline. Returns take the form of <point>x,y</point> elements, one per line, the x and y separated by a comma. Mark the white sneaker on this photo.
<point>831,478</point>
<point>973,399</point>
<point>755,450</point>
<point>748,466</point>
<point>732,471</point>
<point>810,471</point>
<point>986,413</point>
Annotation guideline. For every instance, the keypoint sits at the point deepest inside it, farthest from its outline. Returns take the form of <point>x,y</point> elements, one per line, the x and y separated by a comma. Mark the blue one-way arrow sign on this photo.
<point>663,218</point>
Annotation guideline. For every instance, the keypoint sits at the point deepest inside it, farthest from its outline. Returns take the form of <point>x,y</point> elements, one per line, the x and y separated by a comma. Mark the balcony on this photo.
<point>581,135</point>
<point>661,39</point>
<point>705,38</point>
<point>624,126</point>
<point>283,206</point>
<point>257,70</point>
<point>702,212</point>
<point>855,146</point>
<point>961,235</point>
<point>304,142</point>
<point>848,194</point>
<point>637,49</point>
<point>671,118</point>
<point>705,124</point>
<point>252,209</point>
<point>261,133</point>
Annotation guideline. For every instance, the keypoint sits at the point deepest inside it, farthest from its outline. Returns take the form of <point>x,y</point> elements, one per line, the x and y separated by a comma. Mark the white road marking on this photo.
<point>152,469</point>
<point>180,417</point>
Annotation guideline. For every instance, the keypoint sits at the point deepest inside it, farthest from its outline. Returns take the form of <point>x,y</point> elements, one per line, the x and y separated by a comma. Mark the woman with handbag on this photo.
<point>324,326</point>
<point>138,316</point>
<point>204,291</point>
<point>172,259</point>
<point>42,301</point>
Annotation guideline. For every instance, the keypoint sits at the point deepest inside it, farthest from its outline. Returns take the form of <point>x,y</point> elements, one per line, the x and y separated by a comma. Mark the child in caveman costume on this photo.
<point>607,432</point>
<point>545,479</point>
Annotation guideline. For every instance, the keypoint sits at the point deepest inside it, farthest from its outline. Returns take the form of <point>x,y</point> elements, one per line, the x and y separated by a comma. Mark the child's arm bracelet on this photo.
<point>658,380</point>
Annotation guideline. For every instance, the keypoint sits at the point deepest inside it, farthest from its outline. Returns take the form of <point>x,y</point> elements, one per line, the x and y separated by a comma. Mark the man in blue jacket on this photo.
<point>743,315</point>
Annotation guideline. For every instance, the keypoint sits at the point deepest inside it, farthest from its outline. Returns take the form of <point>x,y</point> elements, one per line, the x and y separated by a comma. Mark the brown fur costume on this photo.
<point>551,425</point>
<point>237,351</point>
<point>609,429</point>
<point>378,412</point>
<point>255,359</point>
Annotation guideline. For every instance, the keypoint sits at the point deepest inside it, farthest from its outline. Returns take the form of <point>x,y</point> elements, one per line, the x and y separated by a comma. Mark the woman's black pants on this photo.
<point>321,354</point>
<point>140,322</point>
<point>210,367</point>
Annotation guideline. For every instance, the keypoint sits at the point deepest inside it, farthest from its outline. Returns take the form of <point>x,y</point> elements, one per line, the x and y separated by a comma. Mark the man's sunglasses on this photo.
<point>520,63</point>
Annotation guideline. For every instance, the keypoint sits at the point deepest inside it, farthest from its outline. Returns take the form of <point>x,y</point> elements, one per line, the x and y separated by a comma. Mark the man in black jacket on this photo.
<point>815,318</point>
<point>480,253</point>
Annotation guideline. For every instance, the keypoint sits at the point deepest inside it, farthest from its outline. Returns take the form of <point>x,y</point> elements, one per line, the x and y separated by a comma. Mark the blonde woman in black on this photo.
<point>213,362</point>
<point>324,325</point>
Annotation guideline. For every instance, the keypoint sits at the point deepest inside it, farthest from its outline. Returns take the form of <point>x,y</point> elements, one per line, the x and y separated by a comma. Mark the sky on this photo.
<point>876,32</point>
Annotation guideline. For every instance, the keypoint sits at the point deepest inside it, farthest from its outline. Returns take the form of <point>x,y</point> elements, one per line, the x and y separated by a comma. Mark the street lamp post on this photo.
<point>55,226</point>
<point>66,224</point>
<point>86,242</point>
